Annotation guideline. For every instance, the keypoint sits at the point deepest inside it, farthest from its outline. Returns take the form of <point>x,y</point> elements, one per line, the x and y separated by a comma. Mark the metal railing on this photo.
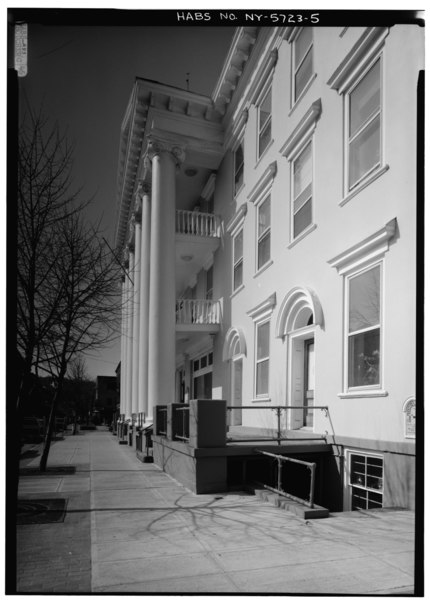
<point>181,423</point>
<point>161,420</point>
<point>198,312</point>
<point>278,437</point>
<point>194,222</point>
<point>280,459</point>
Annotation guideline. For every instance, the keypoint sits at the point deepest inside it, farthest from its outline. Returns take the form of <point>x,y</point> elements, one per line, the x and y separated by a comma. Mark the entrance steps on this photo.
<point>300,510</point>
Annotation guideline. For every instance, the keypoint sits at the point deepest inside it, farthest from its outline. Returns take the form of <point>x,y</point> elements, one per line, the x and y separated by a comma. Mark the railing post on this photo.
<point>278,410</point>
<point>279,474</point>
<point>312,485</point>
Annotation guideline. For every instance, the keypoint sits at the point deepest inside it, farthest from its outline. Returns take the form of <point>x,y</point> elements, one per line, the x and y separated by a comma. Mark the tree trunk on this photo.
<point>51,426</point>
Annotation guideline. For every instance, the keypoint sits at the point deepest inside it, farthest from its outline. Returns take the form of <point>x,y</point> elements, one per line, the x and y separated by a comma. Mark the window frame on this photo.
<point>347,335</point>
<point>258,361</point>
<point>350,188</point>
<point>239,262</point>
<point>364,487</point>
<point>293,159</point>
<point>294,70</point>
<point>268,123</point>
<point>266,233</point>
<point>238,185</point>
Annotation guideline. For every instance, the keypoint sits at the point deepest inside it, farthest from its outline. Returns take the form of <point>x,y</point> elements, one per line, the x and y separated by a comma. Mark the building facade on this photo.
<point>269,244</point>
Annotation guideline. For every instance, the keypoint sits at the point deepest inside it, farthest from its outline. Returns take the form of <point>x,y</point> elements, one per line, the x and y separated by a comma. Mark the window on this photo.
<point>209,283</point>
<point>366,481</point>
<point>238,260</point>
<point>263,235</point>
<point>303,61</point>
<point>238,168</point>
<point>302,191</point>
<point>202,377</point>
<point>265,122</point>
<point>363,107</point>
<point>262,359</point>
<point>364,328</point>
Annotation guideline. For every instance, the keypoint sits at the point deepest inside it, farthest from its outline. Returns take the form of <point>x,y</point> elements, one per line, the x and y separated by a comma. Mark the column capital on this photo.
<point>137,207</point>
<point>157,146</point>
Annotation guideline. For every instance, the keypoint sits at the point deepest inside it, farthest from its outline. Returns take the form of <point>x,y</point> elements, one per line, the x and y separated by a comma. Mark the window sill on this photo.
<point>236,291</point>
<point>305,89</point>
<point>302,235</point>
<point>364,394</point>
<point>256,400</point>
<point>263,268</point>
<point>266,149</point>
<point>370,179</point>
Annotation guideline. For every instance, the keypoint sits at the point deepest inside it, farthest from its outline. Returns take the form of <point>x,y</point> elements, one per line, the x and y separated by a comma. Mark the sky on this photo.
<point>82,76</point>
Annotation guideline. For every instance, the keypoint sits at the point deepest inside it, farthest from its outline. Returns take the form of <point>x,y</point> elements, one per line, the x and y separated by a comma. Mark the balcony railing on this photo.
<point>193,222</point>
<point>199,312</point>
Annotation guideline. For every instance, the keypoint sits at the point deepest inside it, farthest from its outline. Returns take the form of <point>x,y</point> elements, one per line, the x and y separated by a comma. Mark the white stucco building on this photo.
<point>269,237</point>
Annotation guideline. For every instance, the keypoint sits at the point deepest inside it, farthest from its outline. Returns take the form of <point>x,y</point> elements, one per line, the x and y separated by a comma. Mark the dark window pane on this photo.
<point>263,378</point>
<point>365,99</point>
<point>203,362</point>
<point>238,246</point>
<point>265,137</point>
<point>303,218</point>
<point>264,216</point>
<point>364,300</point>
<point>303,75</point>
<point>264,250</point>
<point>365,152</point>
<point>196,365</point>
<point>302,44</point>
<point>238,275</point>
<point>364,358</point>
<point>263,340</point>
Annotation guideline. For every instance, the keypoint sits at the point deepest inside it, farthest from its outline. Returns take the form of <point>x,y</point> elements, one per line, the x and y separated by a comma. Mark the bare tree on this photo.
<point>85,313</point>
<point>67,279</point>
<point>44,196</point>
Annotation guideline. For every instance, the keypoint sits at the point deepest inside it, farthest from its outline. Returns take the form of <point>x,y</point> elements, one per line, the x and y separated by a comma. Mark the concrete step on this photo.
<point>300,510</point>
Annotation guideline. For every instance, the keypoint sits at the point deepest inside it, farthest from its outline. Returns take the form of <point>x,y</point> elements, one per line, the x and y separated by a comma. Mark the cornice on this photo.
<point>263,309</point>
<point>368,45</point>
<point>264,183</point>
<point>303,129</point>
<point>371,248</point>
<point>237,219</point>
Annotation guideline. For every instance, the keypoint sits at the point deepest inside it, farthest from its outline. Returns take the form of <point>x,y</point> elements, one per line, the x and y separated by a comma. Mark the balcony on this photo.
<point>197,238</point>
<point>198,315</point>
<point>193,222</point>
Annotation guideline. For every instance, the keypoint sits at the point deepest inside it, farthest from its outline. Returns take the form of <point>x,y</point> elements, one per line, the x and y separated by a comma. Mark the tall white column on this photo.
<point>144,297</point>
<point>161,363</point>
<point>136,311</point>
<point>129,337</point>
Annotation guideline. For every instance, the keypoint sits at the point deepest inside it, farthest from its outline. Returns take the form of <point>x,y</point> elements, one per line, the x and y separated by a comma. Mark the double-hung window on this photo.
<point>364,328</point>
<point>264,121</point>
<point>238,168</point>
<point>303,67</point>
<point>363,110</point>
<point>263,234</point>
<point>302,191</point>
<point>238,260</point>
<point>262,359</point>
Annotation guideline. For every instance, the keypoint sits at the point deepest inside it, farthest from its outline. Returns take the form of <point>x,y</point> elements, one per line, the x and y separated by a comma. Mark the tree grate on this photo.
<point>41,511</point>
<point>60,470</point>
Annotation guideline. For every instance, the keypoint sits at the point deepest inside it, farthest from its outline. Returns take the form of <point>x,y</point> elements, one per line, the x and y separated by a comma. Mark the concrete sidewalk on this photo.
<point>131,528</point>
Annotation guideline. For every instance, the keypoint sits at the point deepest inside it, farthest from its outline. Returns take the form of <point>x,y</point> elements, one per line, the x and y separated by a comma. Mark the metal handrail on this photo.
<point>279,458</point>
<point>278,410</point>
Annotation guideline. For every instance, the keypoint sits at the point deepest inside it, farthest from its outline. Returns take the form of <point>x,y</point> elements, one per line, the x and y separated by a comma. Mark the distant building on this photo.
<point>269,238</point>
<point>106,398</point>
